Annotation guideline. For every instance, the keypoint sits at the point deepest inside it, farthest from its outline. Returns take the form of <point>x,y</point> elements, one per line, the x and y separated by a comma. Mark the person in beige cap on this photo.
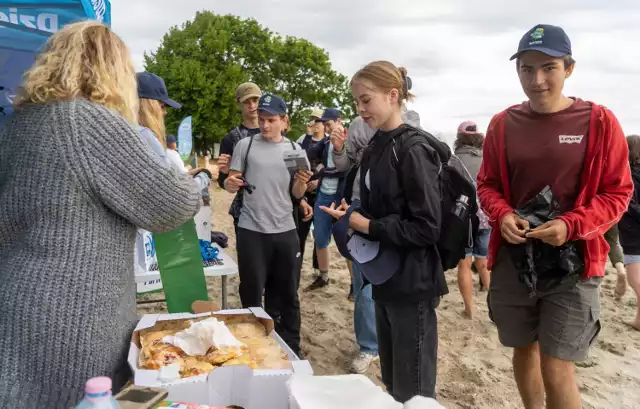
<point>247,96</point>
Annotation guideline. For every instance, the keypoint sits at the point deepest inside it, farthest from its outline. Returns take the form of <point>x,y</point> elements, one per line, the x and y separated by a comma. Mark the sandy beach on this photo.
<point>474,369</point>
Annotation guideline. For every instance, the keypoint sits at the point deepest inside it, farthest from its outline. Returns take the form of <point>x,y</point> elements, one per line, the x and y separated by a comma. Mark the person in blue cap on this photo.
<point>268,247</point>
<point>330,188</point>
<point>154,98</point>
<point>550,315</point>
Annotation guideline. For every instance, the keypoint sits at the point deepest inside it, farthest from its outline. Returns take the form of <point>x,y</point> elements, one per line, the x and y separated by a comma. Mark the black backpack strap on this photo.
<point>245,163</point>
<point>402,143</point>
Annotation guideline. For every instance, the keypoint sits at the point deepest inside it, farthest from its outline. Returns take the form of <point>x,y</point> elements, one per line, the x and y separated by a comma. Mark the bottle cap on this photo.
<point>98,385</point>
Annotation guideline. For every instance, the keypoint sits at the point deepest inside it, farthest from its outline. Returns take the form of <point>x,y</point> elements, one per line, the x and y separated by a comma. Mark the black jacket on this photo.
<point>405,205</point>
<point>629,225</point>
<point>229,143</point>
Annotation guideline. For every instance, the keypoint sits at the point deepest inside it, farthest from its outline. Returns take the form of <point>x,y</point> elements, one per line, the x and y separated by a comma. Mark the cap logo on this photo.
<point>537,34</point>
<point>267,99</point>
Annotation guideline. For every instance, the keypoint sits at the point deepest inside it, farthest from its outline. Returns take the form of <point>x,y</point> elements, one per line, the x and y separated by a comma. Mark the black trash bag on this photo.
<point>543,266</point>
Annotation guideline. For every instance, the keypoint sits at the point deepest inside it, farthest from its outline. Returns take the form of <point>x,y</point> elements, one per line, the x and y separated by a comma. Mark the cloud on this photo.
<point>457,52</point>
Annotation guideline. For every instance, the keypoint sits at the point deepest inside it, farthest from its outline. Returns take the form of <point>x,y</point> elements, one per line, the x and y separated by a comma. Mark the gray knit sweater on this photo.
<point>75,181</point>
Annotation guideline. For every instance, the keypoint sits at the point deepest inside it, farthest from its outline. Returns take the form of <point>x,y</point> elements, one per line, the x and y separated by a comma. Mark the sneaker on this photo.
<point>317,284</point>
<point>362,362</point>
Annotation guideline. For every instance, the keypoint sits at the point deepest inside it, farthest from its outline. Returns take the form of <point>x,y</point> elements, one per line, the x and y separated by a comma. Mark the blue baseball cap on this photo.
<point>547,39</point>
<point>330,114</point>
<point>377,263</point>
<point>171,139</point>
<point>272,104</point>
<point>151,86</point>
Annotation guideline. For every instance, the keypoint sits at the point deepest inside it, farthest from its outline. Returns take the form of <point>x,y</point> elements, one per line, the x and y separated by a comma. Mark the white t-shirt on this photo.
<point>175,160</point>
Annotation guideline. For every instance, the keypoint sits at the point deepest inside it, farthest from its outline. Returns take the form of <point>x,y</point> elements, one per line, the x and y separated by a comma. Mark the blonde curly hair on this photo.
<point>84,60</point>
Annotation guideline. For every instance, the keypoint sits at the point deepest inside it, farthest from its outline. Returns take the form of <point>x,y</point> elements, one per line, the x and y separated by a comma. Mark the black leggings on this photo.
<point>270,264</point>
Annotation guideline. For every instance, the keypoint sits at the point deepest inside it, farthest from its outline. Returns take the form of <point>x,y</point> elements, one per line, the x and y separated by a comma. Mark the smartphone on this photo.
<point>296,160</point>
<point>137,397</point>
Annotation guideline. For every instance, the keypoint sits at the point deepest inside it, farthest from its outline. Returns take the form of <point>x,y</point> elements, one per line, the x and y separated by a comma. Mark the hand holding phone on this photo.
<point>296,160</point>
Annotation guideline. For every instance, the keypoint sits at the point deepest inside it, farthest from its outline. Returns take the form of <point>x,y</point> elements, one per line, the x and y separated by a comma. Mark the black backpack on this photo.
<point>456,234</point>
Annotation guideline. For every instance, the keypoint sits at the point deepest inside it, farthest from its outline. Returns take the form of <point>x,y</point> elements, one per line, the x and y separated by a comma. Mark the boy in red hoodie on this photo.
<point>579,150</point>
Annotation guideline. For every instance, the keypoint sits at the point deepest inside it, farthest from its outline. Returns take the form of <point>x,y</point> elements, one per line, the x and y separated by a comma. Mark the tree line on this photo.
<point>204,60</point>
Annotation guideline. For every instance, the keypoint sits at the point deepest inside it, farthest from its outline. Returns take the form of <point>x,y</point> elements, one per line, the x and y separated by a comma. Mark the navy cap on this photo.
<point>150,86</point>
<point>547,39</point>
<point>272,104</point>
<point>330,114</point>
<point>377,263</point>
<point>171,139</point>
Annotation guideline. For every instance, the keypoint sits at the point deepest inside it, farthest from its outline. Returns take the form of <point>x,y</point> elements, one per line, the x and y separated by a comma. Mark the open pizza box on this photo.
<point>228,385</point>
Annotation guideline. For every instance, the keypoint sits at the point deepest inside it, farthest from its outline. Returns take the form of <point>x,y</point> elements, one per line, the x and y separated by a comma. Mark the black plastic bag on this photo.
<point>543,266</point>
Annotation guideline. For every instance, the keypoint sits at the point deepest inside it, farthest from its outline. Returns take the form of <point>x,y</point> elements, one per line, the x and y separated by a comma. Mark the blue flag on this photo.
<point>185,138</point>
<point>25,25</point>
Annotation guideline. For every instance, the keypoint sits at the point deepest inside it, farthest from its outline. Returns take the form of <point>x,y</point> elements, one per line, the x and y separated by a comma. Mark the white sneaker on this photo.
<point>362,362</point>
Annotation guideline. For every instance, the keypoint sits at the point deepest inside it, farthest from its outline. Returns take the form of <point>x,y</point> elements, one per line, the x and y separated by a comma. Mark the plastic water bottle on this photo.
<point>462,207</point>
<point>98,395</point>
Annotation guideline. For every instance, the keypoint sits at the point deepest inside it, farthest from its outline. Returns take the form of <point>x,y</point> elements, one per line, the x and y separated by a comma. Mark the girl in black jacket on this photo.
<point>400,196</point>
<point>630,227</point>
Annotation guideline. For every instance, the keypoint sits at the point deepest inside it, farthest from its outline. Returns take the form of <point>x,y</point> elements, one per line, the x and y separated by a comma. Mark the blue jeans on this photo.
<point>364,314</point>
<point>323,221</point>
<point>480,244</point>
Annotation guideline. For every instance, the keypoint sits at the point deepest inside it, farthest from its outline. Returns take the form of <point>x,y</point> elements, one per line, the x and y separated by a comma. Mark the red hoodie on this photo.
<point>605,187</point>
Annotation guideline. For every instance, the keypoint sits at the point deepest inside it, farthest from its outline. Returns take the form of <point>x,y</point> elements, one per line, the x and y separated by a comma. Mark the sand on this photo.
<point>474,370</point>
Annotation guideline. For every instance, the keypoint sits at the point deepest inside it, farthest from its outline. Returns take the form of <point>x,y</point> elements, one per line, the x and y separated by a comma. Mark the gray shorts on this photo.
<point>564,320</point>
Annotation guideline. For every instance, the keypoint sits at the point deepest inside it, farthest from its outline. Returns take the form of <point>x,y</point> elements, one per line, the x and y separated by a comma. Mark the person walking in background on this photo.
<point>630,228</point>
<point>400,210</point>
<point>172,153</point>
<point>364,314</point>
<point>315,135</point>
<point>330,188</point>
<point>468,147</point>
<point>68,310</point>
<point>247,96</point>
<point>268,248</point>
<point>616,255</point>
<point>576,148</point>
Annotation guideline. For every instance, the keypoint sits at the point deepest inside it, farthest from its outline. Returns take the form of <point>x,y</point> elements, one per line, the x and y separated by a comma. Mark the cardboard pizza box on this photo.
<point>230,385</point>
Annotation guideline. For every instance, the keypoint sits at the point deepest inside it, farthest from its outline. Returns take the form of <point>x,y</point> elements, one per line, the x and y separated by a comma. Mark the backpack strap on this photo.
<point>401,145</point>
<point>245,163</point>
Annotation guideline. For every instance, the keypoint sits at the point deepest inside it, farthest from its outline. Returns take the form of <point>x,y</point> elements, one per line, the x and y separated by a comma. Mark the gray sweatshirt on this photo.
<point>359,136</point>
<point>75,181</point>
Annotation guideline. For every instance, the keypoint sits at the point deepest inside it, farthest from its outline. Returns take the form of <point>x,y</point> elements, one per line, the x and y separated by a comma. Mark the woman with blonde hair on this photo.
<point>154,98</point>
<point>400,212</point>
<point>76,180</point>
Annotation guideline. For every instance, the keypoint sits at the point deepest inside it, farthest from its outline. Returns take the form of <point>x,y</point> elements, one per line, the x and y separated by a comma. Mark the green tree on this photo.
<point>204,60</point>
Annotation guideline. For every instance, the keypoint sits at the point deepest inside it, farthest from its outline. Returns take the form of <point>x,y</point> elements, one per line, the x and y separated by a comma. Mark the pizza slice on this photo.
<point>194,366</point>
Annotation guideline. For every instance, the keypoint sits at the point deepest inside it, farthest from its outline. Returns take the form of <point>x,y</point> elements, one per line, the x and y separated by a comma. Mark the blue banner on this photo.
<point>25,25</point>
<point>185,138</point>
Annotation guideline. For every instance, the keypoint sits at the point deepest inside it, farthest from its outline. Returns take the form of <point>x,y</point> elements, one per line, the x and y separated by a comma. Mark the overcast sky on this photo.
<point>457,52</point>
